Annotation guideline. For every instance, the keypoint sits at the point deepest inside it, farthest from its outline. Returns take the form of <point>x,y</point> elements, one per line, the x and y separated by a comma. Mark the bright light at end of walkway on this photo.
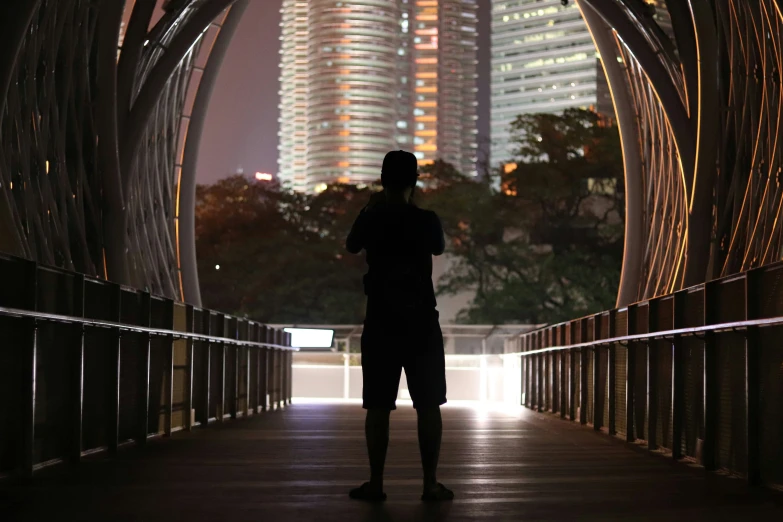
<point>264,176</point>
<point>310,337</point>
<point>217,267</point>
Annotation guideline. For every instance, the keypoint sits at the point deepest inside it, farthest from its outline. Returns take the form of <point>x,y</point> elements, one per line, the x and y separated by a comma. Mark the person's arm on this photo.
<point>355,242</point>
<point>438,241</point>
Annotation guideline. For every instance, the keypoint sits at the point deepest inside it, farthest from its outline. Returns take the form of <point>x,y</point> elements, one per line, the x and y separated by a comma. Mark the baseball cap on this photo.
<point>400,170</point>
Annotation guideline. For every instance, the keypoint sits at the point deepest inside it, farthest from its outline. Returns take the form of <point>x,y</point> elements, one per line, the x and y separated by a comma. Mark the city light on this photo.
<point>217,267</point>
<point>264,176</point>
<point>310,337</point>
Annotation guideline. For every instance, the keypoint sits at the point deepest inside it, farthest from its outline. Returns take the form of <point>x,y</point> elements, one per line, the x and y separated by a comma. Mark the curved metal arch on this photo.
<point>731,58</point>
<point>158,77</point>
<point>659,78</point>
<point>109,22</point>
<point>15,19</point>
<point>51,188</point>
<point>187,192</point>
<point>633,250</point>
<point>62,199</point>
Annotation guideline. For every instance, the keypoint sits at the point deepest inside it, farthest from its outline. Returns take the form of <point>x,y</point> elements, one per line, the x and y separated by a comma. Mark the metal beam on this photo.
<point>187,218</point>
<point>633,249</point>
<point>149,95</point>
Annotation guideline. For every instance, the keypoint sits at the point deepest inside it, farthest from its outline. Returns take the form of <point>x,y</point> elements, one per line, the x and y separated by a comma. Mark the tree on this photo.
<point>543,242</point>
<point>261,236</point>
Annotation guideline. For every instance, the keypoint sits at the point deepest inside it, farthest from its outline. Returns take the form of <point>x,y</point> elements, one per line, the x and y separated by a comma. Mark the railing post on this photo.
<point>612,376</point>
<point>279,370</point>
<point>290,369</point>
<point>273,405</point>
<point>221,401</point>
<point>206,374</point>
<point>522,372</point>
<point>598,404</point>
<point>284,368</point>
<point>533,373</point>
<point>572,372</point>
<point>583,373</point>
<point>113,371</point>
<point>26,457</point>
<point>561,357</point>
<point>262,371</point>
<point>630,376</point>
<point>290,372</point>
<point>77,373</point>
<point>144,371</point>
<point>711,386</point>
<point>189,348</point>
<point>540,398</point>
<point>678,377</point>
<point>267,371</point>
<point>653,322</point>
<point>752,380</point>
<point>234,334</point>
<point>169,378</point>
<point>551,373</point>
<point>246,358</point>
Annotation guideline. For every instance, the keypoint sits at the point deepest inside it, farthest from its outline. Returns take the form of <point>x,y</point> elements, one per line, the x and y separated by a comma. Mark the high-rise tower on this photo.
<point>362,77</point>
<point>293,95</point>
<point>543,60</point>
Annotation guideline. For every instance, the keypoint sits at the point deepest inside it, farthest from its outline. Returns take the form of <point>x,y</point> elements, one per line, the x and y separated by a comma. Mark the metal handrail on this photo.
<point>99,323</point>
<point>677,332</point>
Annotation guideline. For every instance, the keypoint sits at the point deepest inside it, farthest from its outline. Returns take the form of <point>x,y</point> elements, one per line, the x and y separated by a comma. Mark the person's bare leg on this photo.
<point>430,427</point>
<point>376,431</point>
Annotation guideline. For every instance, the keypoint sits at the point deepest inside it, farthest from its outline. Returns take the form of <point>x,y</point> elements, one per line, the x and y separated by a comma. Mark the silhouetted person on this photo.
<point>401,328</point>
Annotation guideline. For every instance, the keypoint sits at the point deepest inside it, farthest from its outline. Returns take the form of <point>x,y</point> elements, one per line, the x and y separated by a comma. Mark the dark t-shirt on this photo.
<point>400,241</point>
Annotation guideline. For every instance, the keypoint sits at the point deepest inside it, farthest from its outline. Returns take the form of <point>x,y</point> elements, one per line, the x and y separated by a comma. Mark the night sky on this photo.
<point>241,126</point>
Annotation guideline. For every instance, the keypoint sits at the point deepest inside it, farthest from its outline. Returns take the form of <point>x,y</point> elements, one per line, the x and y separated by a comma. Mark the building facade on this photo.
<point>543,60</point>
<point>362,77</point>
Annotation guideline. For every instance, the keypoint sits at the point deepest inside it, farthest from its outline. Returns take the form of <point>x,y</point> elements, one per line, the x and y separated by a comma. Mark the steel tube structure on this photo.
<point>187,201</point>
<point>92,181</point>
<point>627,123</point>
<point>704,142</point>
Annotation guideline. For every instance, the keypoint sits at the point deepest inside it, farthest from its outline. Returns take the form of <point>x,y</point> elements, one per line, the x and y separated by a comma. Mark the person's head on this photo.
<point>399,173</point>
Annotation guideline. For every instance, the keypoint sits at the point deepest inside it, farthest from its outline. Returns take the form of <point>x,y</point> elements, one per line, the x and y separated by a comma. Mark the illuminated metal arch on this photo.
<point>672,105</point>
<point>92,182</point>
<point>192,146</point>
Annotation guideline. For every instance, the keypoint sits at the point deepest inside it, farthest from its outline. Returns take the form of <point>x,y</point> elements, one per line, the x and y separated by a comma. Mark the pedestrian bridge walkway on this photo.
<point>297,463</point>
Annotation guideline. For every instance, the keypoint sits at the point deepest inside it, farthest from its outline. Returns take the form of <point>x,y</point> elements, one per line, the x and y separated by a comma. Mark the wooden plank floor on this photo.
<point>298,464</point>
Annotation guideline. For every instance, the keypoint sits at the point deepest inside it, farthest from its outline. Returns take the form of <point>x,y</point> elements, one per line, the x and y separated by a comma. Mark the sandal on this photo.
<point>439,493</point>
<point>364,492</point>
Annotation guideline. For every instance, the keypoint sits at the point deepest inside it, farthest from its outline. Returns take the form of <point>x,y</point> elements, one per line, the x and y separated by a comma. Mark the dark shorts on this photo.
<point>388,347</point>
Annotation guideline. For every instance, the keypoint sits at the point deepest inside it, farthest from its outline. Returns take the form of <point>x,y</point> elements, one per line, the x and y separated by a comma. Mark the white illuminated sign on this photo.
<point>310,337</point>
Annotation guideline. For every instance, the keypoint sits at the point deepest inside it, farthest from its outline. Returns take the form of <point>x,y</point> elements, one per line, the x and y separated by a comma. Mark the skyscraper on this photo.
<point>362,77</point>
<point>543,60</point>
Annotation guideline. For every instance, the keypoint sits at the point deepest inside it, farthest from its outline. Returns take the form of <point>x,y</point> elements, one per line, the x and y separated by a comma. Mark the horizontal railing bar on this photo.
<point>333,326</point>
<point>678,332</point>
<point>98,323</point>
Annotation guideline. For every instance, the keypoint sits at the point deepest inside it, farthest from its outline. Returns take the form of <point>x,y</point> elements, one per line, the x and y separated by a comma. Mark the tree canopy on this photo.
<point>539,241</point>
<point>542,241</point>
